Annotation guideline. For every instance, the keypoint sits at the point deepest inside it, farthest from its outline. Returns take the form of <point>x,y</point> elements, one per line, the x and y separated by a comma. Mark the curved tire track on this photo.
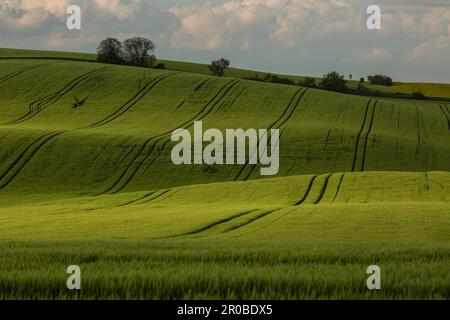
<point>37,144</point>
<point>324,189</point>
<point>307,192</point>
<point>37,106</point>
<point>150,144</point>
<point>133,101</point>
<point>28,153</point>
<point>341,179</point>
<point>256,218</point>
<point>20,71</point>
<point>214,224</point>
<point>369,131</point>
<point>25,157</point>
<point>358,137</point>
<point>165,140</point>
<point>279,123</point>
<point>445,114</point>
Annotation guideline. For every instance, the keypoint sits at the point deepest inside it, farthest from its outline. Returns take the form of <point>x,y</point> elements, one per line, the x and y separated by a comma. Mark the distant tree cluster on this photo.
<point>276,79</point>
<point>333,82</point>
<point>273,78</point>
<point>136,51</point>
<point>308,82</point>
<point>418,95</point>
<point>380,80</point>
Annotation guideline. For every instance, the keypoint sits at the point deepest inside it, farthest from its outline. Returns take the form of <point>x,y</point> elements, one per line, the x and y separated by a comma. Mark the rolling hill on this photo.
<point>362,180</point>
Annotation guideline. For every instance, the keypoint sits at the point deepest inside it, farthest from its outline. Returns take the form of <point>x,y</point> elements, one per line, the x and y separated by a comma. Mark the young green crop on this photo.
<point>362,181</point>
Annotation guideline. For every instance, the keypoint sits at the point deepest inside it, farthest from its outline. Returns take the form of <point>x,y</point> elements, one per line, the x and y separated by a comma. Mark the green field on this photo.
<point>441,90</point>
<point>362,181</point>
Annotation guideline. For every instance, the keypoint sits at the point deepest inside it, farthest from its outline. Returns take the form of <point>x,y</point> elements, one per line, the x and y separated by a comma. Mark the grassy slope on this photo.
<point>101,178</point>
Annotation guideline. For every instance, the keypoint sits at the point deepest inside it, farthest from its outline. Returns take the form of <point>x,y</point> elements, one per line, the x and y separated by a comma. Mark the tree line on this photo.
<point>139,51</point>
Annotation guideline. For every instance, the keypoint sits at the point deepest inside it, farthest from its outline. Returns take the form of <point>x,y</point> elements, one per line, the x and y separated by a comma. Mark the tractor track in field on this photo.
<point>214,224</point>
<point>156,195</point>
<point>149,146</point>
<point>424,147</point>
<point>22,70</point>
<point>168,140</point>
<point>358,136</point>
<point>308,190</point>
<point>398,129</point>
<point>52,134</point>
<point>142,81</point>
<point>265,213</point>
<point>149,197</point>
<point>133,101</point>
<point>369,131</point>
<point>368,119</point>
<point>5,136</point>
<point>324,189</point>
<point>179,106</point>
<point>167,193</point>
<point>198,88</point>
<point>38,105</point>
<point>201,85</point>
<point>251,220</point>
<point>427,183</point>
<point>25,157</point>
<point>419,138</point>
<point>444,111</point>
<point>341,179</point>
<point>341,107</point>
<point>278,124</point>
<point>229,104</point>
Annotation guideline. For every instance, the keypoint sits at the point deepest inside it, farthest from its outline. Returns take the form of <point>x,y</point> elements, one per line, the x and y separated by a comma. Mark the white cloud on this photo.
<point>119,9</point>
<point>314,18</point>
<point>31,13</point>
<point>432,51</point>
<point>376,54</point>
<point>58,40</point>
<point>211,26</point>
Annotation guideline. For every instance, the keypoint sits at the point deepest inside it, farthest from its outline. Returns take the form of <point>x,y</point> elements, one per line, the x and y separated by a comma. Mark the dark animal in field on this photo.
<point>79,103</point>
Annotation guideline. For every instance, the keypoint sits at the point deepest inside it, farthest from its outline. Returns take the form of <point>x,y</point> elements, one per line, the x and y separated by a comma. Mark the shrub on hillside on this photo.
<point>308,82</point>
<point>380,80</point>
<point>218,67</point>
<point>254,78</point>
<point>418,95</point>
<point>333,82</point>
<point>276,79</point>
<point>160,66</point>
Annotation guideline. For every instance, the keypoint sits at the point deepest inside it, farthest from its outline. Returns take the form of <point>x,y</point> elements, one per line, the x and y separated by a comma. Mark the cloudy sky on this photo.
<point>308,37</point>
